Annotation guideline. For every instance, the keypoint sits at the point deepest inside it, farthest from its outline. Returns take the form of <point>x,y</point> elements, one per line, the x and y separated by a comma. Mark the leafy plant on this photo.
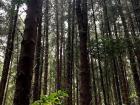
<point>54,98</point>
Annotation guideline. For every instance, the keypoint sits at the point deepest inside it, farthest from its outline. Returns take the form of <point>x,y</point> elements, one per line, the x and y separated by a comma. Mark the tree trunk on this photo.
<point>94,83</point>
<point>123,82</point>
<point>36,94</point>
<point>46,47</point>
<point>85,83</point>
<point>9,49</point>
<point>69,65</point>
<point>131,53</point>
<point>77,66</point>
<point>69,57</point>
<point>58,72</point>
<point>26,61</point>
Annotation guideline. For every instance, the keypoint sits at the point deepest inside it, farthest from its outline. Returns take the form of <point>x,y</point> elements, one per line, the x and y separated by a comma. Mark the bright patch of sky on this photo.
<point>3,45</point>
<point>22,11</point>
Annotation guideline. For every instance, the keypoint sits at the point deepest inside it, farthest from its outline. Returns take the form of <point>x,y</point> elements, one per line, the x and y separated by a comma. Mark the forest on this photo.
<point>69,52</point>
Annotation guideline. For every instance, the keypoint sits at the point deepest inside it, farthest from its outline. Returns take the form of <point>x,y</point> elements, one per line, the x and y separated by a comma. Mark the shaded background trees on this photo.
<point>90,48</point>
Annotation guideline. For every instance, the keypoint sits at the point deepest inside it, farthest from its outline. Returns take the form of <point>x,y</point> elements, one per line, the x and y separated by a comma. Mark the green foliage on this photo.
<point>53,98</point>
<point>108,46</point>
<point>133,95</point>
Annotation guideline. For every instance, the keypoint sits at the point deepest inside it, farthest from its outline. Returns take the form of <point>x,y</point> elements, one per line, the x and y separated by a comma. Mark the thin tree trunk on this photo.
<point>130,51</point>
<point>9,49</point>
<point>94,83</point>
<point>121,70</point>
<point>58,78</point>
<point>134,36</point>
<point>69,57</point>
<point>72,51</point>
<point>7,85</point>
<point>77,66</point>
<point>46,47</point>
<point>61,37</point>
<point>123,82</point>
<point>41,65</point>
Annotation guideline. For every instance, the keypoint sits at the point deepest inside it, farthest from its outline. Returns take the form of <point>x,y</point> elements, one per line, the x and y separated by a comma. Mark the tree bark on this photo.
<point>26,61</point>
<point>9,48</point>
<point>85,83</point>
<point>131,53</point>
<point>69,57</point>
<point>58,72</point>
<point>37,75</point>
<point>46,47</point>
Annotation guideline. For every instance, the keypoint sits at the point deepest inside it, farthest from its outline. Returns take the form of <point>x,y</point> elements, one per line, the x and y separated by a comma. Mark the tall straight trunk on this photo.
<point>72,50</point>
<point>73,34</point>
<point>123,81</point>
<point>46,47</point>
<point>85,80</point>
<point>134,36</point>
<point>114,89</point>
<point>107,74</point>
<point>107,32</point>
<point>131,20</point>
<point>101,72</point>
<point>94,81</point>
<point>26,61</point>
<point>115,67</point>
<point>61,36</point>
<point>41,65</point>
<point>9,48</point>
<point>136,10</point>
<point>112,96</point>
<point>40,44</point>
<point>64,62</point>
<point>58,72</point>
<point>77,65</point>
<point>131,53</point>
<point>36,93</point>
<point>112,55</point>
<point>121,69</point>
<point>69,57</point>
<point>7,84</point>
<point>98,55</point>
<point>99,86</point>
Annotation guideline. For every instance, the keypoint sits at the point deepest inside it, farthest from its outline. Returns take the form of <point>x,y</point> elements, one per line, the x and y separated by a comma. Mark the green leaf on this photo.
<point>53,98</point>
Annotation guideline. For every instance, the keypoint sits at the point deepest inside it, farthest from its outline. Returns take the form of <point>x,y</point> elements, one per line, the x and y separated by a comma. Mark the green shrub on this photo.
<point>53,98</point>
